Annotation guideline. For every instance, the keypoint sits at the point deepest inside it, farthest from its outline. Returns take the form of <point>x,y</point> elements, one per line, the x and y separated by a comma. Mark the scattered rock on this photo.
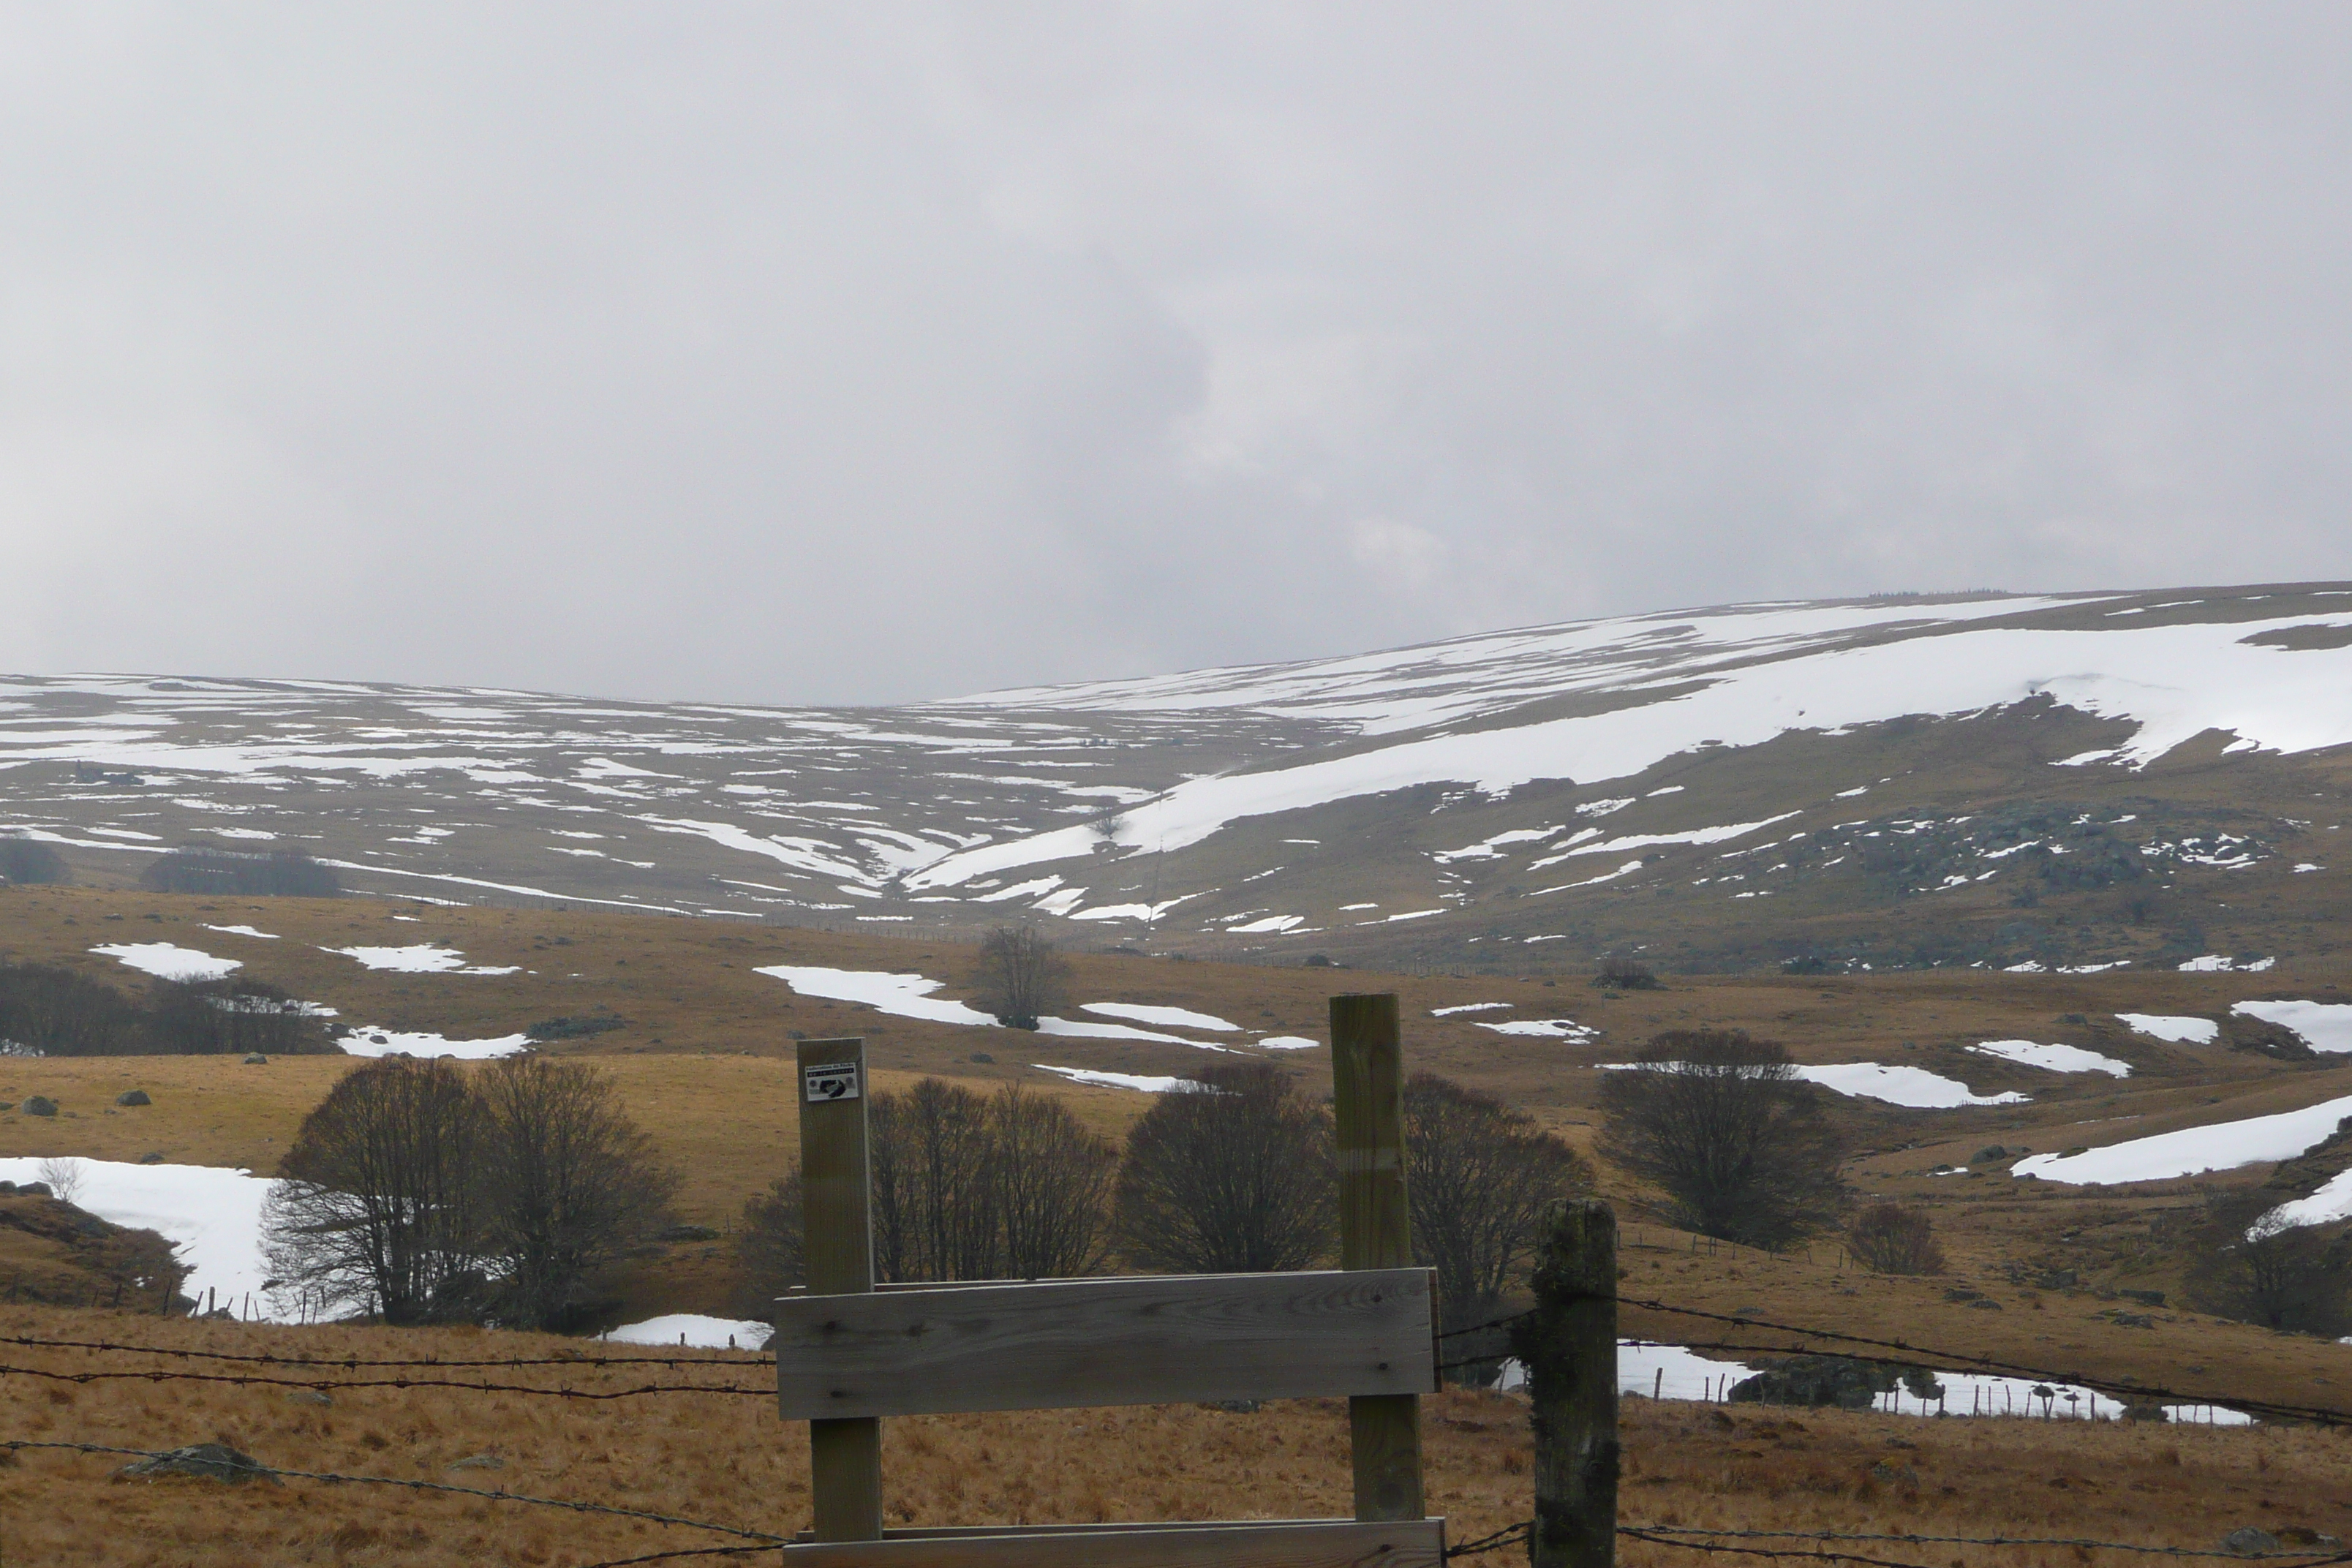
<point>1985,1304</point>
<point>33,1190</point>
<point>2303,1535</point>
<point>1989,1153</point>
<point>2134,1320</point>
<point>257,1060</point>
<point>2145,1297</point>
<point>1961,1293</point>
<point>1239,1407</point>
<point>132,1097</point>
<point>2057,1279</point>
<point>688,1232</point>
<point>2247,1541</point>
<point>309,1396</point>
<point>214,1461</point>
<point>151,1158</point>
<point>8,1105</point>
<point>40,1105</point>
<point>982,1057</point>
<point>479,1462</point>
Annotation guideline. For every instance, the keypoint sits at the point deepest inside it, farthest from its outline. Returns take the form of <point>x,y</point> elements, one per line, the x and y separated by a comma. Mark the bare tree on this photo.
<point>49,1009</point>
<point>934,1203</point>
<point>1019,977</point>
<point>1478,1177</point>
<point>62,1177</point>
<point>380,1204</point>
<point>1738,1142</point>
<point>2245,1265</point>
<point>1891,1239</point>
<point>1053,1186</point>
<point>572,1185</point>
<point>1233,1176</point>
<point>768,1242</point>
<point>230,1017</point>
<point>27,861</point>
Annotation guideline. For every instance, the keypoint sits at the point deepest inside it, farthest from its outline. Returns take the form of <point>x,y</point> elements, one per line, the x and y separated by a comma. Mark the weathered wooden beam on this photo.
<point>1568,1344</point>
<point>1308,1543</point>
<point>1375,1232</point>
<point>845,1455</point>
<point>1137,1340</point>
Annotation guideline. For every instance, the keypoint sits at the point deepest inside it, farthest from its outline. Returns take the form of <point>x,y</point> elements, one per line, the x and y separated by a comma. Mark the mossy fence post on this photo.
<point>1569,1345</point>
<point>1375,1232</point>
<point>845,1456</point>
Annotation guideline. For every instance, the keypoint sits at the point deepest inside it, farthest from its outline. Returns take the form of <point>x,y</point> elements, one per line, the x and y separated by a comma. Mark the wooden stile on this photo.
<point>1136,1340</point>
<point>846,1454</point>
<point>1375,1232</point>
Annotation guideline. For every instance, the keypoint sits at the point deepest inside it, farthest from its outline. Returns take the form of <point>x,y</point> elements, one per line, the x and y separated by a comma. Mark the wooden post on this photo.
<point>845,1456</point>
<point>1568,1344</point>
<point>1375,1232</point>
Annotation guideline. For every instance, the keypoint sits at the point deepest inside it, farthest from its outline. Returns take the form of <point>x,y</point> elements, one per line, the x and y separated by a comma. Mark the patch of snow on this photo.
<point>1915,1087</point>
<point>1281,922</point>
<point>2219,1146</point>
<point>902,995</point>
<point>1467,1007</point>
<point>695,1331</point>
<point>1411,915</point>
<point>210,1215</point>
<point>424,958</point>
<point>1645,840</point>
<point>2172,1029</point>
<point>1287,1043</point>
<point>1545,1028</point>
<point>2322,1026</point>
<point>1178,1017</point>
<point>248,931</point>
<point>371,1041</point>
<point>166,961</point>
<point>2220,963</point>
<point>1083,1029</point>
<point>1118,1079</point>
<point>2054,1058</point>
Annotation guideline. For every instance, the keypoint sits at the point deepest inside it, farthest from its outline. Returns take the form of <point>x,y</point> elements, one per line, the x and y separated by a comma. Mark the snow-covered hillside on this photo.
<point>1510,788</point>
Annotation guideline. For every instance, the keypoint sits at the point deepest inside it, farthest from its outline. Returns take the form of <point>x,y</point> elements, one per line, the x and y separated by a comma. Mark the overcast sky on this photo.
<point>797,353</point>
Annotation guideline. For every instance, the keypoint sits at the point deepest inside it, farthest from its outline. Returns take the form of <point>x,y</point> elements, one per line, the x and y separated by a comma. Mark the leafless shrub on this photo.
<point>1232,1177</point>
<point>63,1178</point>
<point>2246,1266</point>
<point>934,1203</point>
<point>1053,1186</point>
<point>27,862</point>
<point>1723,1125</point>
<point>57,1012</point>
<point>572,1185</point>
<point>380,1208</point>
<point>1019,978</point>
<point>1626,975</point>
<point>1891,1239</point>
<point>240,873</point>
<point>1478,1175</point>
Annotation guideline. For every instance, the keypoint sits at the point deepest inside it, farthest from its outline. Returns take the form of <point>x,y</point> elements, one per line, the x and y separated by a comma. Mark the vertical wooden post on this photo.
<point>1568,1343</point>
<point>1375,1232</point>
<point>844,1456</point>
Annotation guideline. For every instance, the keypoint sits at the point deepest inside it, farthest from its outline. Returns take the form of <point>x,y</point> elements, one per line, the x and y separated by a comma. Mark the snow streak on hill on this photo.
<point>1246,801</point>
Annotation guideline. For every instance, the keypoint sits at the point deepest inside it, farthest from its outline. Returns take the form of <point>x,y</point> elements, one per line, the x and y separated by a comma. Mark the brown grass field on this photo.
<point>727,1459</point>
<point>704,1065</point>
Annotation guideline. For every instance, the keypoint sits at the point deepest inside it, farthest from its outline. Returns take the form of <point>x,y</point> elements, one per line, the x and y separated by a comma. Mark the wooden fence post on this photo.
<point>1375,1232</point>
<point>1569,1345</point>
<point>845,1456</point>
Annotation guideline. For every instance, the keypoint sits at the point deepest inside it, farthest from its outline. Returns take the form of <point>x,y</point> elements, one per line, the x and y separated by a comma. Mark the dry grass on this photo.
<point>729,1460</point>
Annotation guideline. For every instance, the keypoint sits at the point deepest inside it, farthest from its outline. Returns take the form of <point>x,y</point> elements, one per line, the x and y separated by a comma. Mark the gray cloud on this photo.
<point>784,354</point>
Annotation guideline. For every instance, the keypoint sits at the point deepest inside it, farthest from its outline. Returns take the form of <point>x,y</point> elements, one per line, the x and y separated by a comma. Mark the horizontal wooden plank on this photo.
<point>1138,1340</point>
<point>1316,1543</point>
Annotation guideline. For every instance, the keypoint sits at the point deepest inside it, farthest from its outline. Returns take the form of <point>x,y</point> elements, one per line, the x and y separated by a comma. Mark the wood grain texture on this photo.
<point>1375,1232</point>
<point>1415,1543</point>
<point>845,1456</point>
<point>1138,1340</point>
<point>1568,1344</point>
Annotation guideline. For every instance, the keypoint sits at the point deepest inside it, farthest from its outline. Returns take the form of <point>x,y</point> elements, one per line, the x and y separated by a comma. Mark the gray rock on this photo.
<point>257,1060</point>
<point>40,1105</point>
<point>151,1158</point>
<point>2058,1279</point>
<point>214,1461</point>
<point>2246,1542</point>
<point>33,1190</point>
<point>479,1462</point>
<point>309,1396</point>
<point>132,1097</point>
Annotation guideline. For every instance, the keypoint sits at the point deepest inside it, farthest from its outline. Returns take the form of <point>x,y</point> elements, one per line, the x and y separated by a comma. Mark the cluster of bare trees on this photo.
<point>423,1194</point>
<point>28,862</point>
<point>240,873</point>
<point>965,1186</point>
<point>1232,1174</point>
<point>1019,977</point>
<point>53,1011</point>
<point>1722,1125</point>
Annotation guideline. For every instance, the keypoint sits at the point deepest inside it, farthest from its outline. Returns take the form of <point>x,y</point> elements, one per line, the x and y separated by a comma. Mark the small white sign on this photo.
<point>830,1080</point>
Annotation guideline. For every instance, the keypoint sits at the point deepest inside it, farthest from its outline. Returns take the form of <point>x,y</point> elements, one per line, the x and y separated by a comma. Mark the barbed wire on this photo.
<point>2328,1554</point>
<point>325,1385</point>
<point>1510,1534</point>
<point>263,1358</point>
<point>682,1552</point>
<point>1634,1533</point>
<point>14,1445</point>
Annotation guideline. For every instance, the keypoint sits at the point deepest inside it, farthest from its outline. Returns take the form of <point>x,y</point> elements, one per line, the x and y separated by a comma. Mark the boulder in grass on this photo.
<point>132,1097</point>
<point>211,1462</point>
<point>40,1105</point>
<point>257,1060</point>
<point>478,1462</point>
<point>2247,1541</point>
